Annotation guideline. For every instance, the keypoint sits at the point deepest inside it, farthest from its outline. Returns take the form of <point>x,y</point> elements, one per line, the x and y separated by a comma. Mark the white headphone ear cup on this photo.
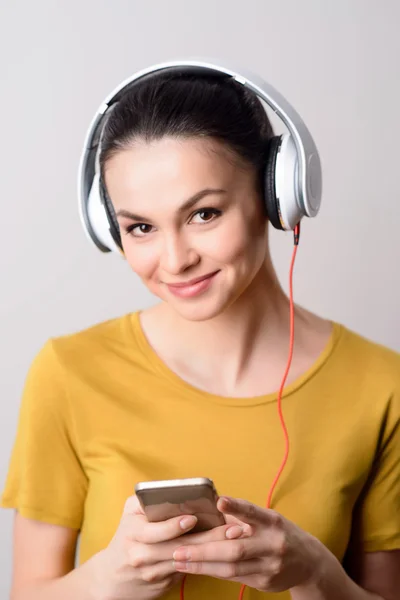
<point>286,184</point>
<point>98,220</point>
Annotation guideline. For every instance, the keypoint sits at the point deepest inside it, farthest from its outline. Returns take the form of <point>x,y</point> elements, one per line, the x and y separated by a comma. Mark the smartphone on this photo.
<point>169,498</point>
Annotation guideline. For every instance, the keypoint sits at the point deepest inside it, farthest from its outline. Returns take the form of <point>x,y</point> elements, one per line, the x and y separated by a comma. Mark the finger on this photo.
<point>247,529</point>
<point>221,570</point>
<point>225,551</point>
<point>247,512</point>
<point>132,506</point>
<point>164,551</point>
<point>162,571</point>
<point>143,554</point>
<point>213,535</point>
<point>234,532</point>
<point>231,519</point>
<point>162,531</point>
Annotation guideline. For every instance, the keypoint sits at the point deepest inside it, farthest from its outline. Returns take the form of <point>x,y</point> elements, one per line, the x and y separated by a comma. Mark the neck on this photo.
<point>256,323</point>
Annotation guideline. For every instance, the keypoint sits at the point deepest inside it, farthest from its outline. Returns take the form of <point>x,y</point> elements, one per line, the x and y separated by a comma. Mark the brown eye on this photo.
<point>139,229</point>
<point>143,228</point>
<point>205,215</point>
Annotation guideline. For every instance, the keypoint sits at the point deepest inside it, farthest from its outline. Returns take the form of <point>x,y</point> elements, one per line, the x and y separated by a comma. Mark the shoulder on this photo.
<point>368,360</point>
<point>351,359</point>
<point>99,339</point>
<point>89,349</point>
<point>368,374</point>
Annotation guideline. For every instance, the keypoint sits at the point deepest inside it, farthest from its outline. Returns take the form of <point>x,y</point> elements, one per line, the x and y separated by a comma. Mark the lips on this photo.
<point>193,287</point>
<point>191,281</point>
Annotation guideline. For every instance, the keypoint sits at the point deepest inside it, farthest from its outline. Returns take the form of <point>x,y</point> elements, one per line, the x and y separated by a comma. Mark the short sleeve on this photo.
<point>379,516</point>
<point>45,480</point>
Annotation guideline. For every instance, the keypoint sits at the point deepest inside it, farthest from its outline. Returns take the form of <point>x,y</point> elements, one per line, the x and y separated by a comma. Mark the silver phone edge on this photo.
<point>174,483</point>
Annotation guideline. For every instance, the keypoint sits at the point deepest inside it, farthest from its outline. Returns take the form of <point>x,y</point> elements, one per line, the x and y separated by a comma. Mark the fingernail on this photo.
<point>181,555</point>
<point>224,499</point>
<point>234,531</point>
<point>187,522</point>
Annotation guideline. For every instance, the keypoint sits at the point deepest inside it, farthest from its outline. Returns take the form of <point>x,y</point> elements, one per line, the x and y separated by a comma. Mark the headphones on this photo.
<point>293,177</point>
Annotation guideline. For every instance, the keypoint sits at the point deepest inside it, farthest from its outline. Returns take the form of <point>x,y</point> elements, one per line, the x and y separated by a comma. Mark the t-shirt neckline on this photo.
<point>187,387</point>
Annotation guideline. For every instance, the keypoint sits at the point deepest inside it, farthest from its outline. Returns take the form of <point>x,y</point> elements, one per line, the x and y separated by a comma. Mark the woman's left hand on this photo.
<point>272,555</point>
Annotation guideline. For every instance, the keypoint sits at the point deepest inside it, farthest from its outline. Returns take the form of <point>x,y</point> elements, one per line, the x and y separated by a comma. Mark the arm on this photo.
<point>136,565</point>
<point>275,555</point>
<point>43,559</point>
<point>375,576</point>
<point>372,574</point>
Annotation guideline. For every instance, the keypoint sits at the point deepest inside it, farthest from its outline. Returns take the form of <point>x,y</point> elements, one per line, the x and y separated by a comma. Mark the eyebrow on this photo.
<point>185,206</point>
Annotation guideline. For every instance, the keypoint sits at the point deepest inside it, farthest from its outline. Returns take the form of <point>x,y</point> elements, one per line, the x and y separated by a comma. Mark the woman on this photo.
<point>189,387</point>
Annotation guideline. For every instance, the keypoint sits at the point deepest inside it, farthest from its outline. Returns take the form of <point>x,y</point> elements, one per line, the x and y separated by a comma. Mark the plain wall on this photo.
<point>336,62</point>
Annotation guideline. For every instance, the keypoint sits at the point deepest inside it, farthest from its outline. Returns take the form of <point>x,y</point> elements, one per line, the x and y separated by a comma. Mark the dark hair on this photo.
<point>188,106</point>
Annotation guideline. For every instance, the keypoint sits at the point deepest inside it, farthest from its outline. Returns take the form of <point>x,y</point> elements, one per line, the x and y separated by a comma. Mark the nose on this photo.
<point>177,254</point>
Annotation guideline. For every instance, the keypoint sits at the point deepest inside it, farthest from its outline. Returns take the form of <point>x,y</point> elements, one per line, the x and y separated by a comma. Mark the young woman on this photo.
<point>189,388</point>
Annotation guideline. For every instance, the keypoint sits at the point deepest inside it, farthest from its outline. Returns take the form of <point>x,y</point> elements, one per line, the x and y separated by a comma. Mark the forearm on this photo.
<point>79,584</point>
<point>331,582</point>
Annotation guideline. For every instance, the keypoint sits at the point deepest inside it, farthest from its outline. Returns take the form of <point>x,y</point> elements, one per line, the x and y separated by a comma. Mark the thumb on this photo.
<point>133,506</point>
<point>247,511</point>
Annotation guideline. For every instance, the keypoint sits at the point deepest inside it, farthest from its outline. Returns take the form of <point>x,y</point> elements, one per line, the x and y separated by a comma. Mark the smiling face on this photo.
<point>191,219</point>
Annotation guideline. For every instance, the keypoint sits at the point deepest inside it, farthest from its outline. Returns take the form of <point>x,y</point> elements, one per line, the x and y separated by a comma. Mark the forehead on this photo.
<point>172,167</point>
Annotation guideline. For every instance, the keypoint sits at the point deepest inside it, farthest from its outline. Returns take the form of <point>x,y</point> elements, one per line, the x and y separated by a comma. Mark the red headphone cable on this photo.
<point>279,401</point>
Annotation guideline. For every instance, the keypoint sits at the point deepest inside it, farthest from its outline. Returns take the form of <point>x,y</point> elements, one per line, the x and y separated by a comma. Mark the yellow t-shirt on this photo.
<point>101,411</point>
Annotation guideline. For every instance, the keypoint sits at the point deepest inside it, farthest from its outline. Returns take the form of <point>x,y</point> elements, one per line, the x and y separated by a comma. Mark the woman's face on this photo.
<point>191,220</point>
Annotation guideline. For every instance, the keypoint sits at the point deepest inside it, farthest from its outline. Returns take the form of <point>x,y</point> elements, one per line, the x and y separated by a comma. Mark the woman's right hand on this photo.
<point>138,561</point>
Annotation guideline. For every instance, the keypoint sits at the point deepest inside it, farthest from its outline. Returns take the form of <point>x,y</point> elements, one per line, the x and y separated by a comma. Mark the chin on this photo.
<point>202,309</point>
<point>197,314</point>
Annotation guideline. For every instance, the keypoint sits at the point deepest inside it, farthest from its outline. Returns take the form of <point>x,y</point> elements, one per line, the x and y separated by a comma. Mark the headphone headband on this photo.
<point>308,175</point>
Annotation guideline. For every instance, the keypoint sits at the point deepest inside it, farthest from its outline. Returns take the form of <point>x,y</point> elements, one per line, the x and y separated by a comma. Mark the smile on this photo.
<point>193,287</point>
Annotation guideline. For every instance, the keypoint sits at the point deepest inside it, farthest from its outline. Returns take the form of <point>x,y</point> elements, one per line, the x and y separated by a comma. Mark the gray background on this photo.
<point>336,62</point>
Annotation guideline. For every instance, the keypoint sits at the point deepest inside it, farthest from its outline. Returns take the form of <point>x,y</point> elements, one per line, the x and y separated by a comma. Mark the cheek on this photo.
<point>143,259</point>
<point>238,241</point>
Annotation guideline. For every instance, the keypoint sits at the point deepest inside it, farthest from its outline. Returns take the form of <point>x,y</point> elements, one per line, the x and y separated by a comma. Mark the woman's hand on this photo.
<point>138,561</point>
<point>274,554</point>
